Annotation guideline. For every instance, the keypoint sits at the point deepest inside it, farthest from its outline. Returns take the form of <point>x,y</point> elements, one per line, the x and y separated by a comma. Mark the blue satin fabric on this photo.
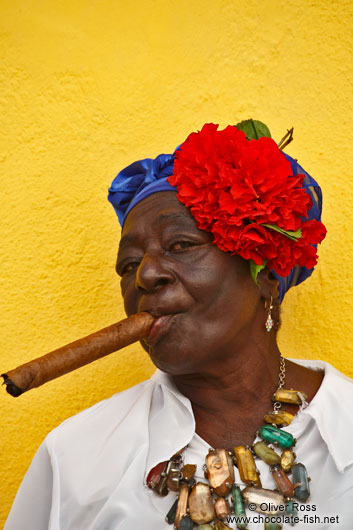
<point>145,177</point>
<point>298,274</point>
<point>138,181</point>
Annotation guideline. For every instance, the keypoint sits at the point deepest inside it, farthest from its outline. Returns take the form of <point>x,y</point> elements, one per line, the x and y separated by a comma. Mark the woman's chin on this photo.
<point>169,359</point>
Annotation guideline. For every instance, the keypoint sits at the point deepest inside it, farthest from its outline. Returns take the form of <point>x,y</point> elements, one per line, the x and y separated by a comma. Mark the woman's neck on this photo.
<point>229,404</point>
<point>229,401</point>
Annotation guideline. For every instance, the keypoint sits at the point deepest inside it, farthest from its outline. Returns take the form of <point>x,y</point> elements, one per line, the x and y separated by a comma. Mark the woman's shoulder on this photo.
<point>332,375</point>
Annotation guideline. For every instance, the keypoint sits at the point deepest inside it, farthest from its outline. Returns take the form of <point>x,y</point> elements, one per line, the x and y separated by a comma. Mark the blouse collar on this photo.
<point>171,412</point>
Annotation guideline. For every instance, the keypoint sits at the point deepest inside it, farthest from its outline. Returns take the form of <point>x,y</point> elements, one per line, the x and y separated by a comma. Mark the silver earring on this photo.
<point>269,321</point>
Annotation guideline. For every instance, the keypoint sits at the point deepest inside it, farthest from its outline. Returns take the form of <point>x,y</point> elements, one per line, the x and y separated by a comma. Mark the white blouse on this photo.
<point>90,472</point>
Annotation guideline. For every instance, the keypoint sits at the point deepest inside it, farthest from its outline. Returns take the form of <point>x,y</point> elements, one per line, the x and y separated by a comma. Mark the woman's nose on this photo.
<point>153,274</point>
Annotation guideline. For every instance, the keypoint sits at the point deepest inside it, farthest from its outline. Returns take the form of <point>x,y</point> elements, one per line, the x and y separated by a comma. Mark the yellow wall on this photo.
<point>90,86</point>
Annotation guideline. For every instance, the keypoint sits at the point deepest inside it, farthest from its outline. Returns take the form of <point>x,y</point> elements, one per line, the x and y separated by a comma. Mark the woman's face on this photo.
<point>205,299</point>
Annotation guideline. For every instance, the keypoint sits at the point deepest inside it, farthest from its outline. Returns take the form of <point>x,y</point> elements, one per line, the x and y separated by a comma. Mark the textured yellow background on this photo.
<point>88,87</point>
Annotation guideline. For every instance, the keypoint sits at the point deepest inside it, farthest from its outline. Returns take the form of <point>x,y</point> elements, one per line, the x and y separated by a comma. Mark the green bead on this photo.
<point>239,509</point>
<point>300,477</point>
<point>172,512</point>
<point>186,523</point>
<point>267,454</point>
<point>290,510</point>
<point>275,435</point>
<point>273,526</point>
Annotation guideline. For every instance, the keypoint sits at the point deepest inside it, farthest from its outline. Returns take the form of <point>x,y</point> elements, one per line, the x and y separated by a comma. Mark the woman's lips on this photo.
<point>159,328</point>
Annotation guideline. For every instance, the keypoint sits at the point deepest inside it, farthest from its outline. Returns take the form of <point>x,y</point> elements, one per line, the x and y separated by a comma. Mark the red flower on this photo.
<point>234,186</point>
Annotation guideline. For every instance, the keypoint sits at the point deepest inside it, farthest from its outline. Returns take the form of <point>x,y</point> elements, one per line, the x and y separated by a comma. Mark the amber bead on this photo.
<point>282,481</point>
<point>201,507</point>
<point>279,418</point>
<point>173,480</point>
<point>264,498</point>
<point>246,465</point>
<point>220,471</point>
<point>287,459</point>
<point>182,504</point>
<point>266,453</point>
<point>188,471</point>
<point>222,508</point>
<point>205,527</point>
<point>289,396</point>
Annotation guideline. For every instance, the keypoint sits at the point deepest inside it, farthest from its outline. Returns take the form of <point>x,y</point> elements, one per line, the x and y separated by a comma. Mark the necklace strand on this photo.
<point>197,505</point>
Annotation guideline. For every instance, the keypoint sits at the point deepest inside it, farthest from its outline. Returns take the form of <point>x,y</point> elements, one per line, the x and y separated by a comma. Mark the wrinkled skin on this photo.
<point>211,338</point>
<point>171,267</point>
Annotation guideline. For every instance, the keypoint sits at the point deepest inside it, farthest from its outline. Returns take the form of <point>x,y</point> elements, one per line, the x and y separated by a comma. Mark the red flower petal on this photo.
<point>233,186</point>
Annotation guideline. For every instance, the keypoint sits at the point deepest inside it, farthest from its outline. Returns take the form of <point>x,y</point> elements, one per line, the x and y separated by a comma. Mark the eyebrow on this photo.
<point>125,240</point>
<point>166,216</point>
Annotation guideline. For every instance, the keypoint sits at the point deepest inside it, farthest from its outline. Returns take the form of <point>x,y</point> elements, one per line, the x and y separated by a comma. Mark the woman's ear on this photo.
<point>268,284</point>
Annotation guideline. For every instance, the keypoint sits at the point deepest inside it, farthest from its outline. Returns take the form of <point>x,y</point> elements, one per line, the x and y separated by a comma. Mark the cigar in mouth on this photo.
<point>76,354</point>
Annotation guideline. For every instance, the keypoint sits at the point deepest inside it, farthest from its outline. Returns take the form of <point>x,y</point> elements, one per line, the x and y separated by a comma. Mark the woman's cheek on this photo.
<point>128,291</point>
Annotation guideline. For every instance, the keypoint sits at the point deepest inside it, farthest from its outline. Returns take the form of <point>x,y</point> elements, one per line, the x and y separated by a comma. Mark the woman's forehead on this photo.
<point>156,209</point>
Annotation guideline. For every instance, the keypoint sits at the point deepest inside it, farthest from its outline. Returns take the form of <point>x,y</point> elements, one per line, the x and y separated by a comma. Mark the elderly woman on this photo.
<point>212,238</point>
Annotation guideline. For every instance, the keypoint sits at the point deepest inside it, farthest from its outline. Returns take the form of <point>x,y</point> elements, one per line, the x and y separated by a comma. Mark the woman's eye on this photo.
<point>181,245</point>
<point>128,267</point>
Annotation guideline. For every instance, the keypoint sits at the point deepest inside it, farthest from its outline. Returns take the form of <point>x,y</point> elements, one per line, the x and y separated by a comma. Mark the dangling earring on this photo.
<point>269,321</point>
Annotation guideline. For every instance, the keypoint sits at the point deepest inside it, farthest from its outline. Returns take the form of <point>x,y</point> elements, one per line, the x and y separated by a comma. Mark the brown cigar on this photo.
<point>77,354</point>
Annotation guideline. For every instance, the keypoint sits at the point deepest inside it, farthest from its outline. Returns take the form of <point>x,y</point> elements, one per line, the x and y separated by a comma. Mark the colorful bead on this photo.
<point>222,508</point>
<point>188,471</point>
<point>154,475</point>
<point>174,475</point>
<point>239,509</point>
<point>289,396</point>
<point>287,459</point>
<point>182,504</point>
<point>220,471</point>
<point>301,481</point>
<point>267,501</point>
<point>266,453</point>
<point>282,481</point>
<point>269,323</point>
<point>274,435</point>
<point>279,418</point>
<point>186,523</point>
<point>220,525</point>
<point>273,526</point>
<point>172,512</point>
<point>201,507</point>
<point>246,465</point>
<point>291,510</point>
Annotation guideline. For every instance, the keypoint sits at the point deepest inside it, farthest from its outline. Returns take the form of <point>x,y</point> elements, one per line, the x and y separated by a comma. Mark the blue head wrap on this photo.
<point>138,181</point>
<point>299,274</point>
<point>148,176</point>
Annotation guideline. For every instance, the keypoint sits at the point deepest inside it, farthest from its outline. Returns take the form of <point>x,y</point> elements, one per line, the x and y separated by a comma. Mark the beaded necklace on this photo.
<point>205,506</point>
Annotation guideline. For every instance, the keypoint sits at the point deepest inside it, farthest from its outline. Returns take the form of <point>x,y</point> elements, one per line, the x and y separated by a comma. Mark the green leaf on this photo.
<point>288,233</point>
<point>253,129</point>
<point>255,269</point>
